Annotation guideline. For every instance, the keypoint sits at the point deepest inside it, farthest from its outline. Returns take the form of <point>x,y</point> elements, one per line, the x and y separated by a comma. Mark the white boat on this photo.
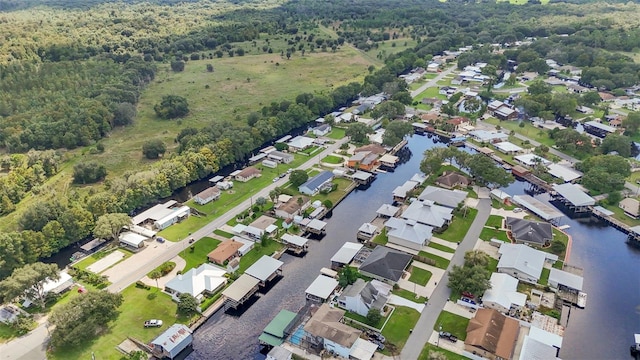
<point>582,300</point>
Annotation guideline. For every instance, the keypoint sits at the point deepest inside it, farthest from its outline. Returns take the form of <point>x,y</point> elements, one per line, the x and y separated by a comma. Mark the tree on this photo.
<point>558,247</point>
<point>347,276</point>
<point>123,114</point>
<point>29,280</point>
<point>209,68</point>
<point>485,171</point>
<point>88,172</point>
<point>153,149</point>
<point>298,177</point>
<point>83,317</point>
<point>395,132</point>
<point>187,304</point>
<point>538,87</point>
<point>614,198</point>
<point>155,275</point>
<point>472,279</point>
<point>358,132</point>
<point>563,104</point>
<point>476,257</point>
<point>632,122</point>
<point>618,143</point>
<point>373,317</point>
<point>177,65</point>
<point>261,201</point>
<point>110,225</point>
<point>171,107</point>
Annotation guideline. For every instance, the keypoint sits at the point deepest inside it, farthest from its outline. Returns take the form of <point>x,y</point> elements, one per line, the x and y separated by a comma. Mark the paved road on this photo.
<point>32,346</point>
<point>427,321</point>
<point>433,82</point>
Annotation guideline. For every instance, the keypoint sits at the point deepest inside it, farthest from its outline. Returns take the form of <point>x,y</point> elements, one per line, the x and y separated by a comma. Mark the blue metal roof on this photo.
<point>315,182</point>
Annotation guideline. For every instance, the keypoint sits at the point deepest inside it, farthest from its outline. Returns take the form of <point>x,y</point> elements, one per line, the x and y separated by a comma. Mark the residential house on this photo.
<point>225,251</point>
<point>484,136</point>
<point>521,261</point>
<point>408,233</point>
<point>400,192</point>
<point>531,160</point>
<point>503,295</point>
<point>196,282</point>
<point>631,207</point>
<point>428,213</point>
<point>207,195</point>
<point>433,67</point>
<point>300,143</point>
<point>59,286</point>
<point>374,148</point>
<point>577,89</point>
<point>361,296</point>
<point>280,157</point>
<point>363,160</point>
<point>492,335</point>
<point>443,197</point>
<point>501,110</point>
<point>162,215</point>
<point>584,110</point>
<point>279,353</point>
<point>567,174</point>
<point>500,196</point>
<point>247,174</point>
<point>326,330</point>
<point>529,232</point>
<point>291,208</point>
<point>453,179</point>
<point>171,342</point>
<point>507,147</point>
<point>316,183</point>
<point>457,123</point>
<point>322,130</point>
<point>132,241</point>
<point>385,264</point>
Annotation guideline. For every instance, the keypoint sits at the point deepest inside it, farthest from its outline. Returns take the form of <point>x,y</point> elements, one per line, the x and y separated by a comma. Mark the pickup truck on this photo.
<point>153,323</point>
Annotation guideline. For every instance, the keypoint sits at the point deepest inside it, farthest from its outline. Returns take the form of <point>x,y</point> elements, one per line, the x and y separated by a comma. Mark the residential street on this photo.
<point>433,82</point>
<point>31,346</point>
<point>427,321</point>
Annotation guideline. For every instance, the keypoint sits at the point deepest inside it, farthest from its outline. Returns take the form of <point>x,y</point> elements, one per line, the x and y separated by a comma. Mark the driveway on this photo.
<point>400,301</point>
<point>161,282</point>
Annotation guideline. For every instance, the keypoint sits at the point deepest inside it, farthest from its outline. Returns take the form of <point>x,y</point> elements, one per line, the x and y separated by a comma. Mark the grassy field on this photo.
<point>409,295</point>
<point>492,266</point>
<point>256,253</point>
<point>420,276</point>
<point>432,92</point>
<point>199,255</point>
<point>441,247</point>
<point>489,233</point>
<point>336,133</point>
<point>452,323</point>
<point>620,215</point>
<point>332,159</point>
<point>397,329</point>
<point>134,311</point>
<point>429,350</point>
<point>528,130</point>
<point>336,195</point>
<point>494,221</point>
<point>459,226</point>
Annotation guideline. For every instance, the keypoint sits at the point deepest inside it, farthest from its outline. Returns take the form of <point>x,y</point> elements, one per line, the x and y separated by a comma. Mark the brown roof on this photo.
<point>374,148</point>
<point>485,150</point>
<point>325,323</point>
<point>248,172</point>
<point>429,117</point>
<point>224,251</point>
<point>457,120</point>
<point>606,96</point>
<point>493,332</point>
<point>452,178</point>
<point>208,192</point>
<point>291,206</point>
<point>263,222</point>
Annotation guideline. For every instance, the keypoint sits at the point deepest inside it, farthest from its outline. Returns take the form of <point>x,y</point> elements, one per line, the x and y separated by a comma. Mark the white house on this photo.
<point>132,241</point>
<point>503,295</point>
<point>521,261</point>
<point>207,195</point>
<point>322,130</point>
<point>362,296</point>
<point>299,143</point>
<point>408,233</point>
<point>204,279</point>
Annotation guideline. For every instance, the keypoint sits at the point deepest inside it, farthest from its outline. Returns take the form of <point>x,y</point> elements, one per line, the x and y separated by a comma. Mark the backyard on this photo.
<point>268,247</point>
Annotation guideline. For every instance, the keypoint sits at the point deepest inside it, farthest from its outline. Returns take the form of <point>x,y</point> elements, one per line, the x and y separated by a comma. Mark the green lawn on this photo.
<point>7,333</point>
<point>441,247</point>
<point>488,233</point>
<point>452,323</point>
<point>382,238</point>
<point>337,194</point>
<point>401,322</point>
<point>492,266</point>
<point>544,277</point>
<point>256,253</point>
<point>93,258</point>
<point>428,350</point>
<point>199,255</point>
<point>539,135</point>
<point>441,262</point>
<point>363,319</point>
<point>130,322</point>
<point>432,92</point>
<point>494,221</point>
<point>459,227</point>
<point>336,133</point>
<point>332,159</point>
<point>409,295</point>
<point>420,276</point>
<point>619,214</point>
<point>222,233</point>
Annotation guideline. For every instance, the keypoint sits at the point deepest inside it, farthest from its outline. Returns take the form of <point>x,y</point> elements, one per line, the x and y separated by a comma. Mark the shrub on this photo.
<point>152,295</point>
<point>141,285</point>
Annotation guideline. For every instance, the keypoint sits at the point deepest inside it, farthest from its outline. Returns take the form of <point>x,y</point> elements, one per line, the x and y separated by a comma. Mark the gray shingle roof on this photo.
<point>386,263</point>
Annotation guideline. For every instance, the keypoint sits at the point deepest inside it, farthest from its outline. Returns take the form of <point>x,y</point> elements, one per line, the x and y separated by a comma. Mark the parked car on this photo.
<point>469,301</point>
<point>517,210</point>
<point>153,323</point>
<point>453,338</point>
<point>160,239</point>
<point>445,335</point>
<point>468,295</point>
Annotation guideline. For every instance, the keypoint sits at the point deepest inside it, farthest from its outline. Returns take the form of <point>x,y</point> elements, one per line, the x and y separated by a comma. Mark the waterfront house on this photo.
<point>325,330</point>
<point>363,160</point>
<point>428,213</point>
<point>452,179</point>
<point>503,295</point>
<point>492,335</point>
<point>247,174</point>
<point>280,157</point>
<point>374,148</point>
<point>196,282</point>
<point>529,232</point>
<point>291,207</point>
<point>171,342</point>
<point>163,215</point>
<point>507,147</point>
<point>300,143</point>
<point>225,251</point>
<point>443,197</point>
<point>361,296</point>
<point>316,183</point>
<point>408,233</point>
<point>385,264</point>
<point>499,195</point>
<point>207,195</point>
<point>484,136</point>
<point>57,287</point>
<point>521,261</point>
<point>631,207</point>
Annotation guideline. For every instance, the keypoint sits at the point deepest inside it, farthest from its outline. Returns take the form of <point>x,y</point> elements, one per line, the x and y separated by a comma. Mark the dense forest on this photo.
<point>64,85</point>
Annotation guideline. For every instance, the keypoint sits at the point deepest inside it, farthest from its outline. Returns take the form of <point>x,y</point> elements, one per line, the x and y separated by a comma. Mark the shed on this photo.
<point>172,341</point>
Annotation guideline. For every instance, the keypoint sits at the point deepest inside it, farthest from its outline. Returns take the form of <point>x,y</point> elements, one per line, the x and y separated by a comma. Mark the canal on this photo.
<point>601,331</point>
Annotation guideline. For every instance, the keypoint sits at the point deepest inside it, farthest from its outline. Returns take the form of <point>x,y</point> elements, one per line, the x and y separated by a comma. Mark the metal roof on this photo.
<point>543,210</point>
<point>387,210</point>
<point>565,173</point>
<point>322,287</point>
<point>294,239</point>
<point>506,146</point>
<point>444,197</point>
<point>600,126</point>
<point>567,279</point>
<point>522,258</point>
<point>346,253</point>
<point>241,287</point>
<point>574,195</point>
<point>173,337</point>
<point>316,224</point>
<point>279,323</point>
<point>264,267</point>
